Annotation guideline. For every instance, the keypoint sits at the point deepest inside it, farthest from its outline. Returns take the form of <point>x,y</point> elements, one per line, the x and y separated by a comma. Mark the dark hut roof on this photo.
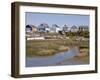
<point>28,26</point>
<point>55,25</point>
<point>43,25</point>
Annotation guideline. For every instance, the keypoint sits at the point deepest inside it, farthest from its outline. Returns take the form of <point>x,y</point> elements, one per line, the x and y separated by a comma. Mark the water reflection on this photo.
<point>51,60</point>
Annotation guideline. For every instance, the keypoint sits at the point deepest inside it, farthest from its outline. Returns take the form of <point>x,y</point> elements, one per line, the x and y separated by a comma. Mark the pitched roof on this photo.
<point>43,25</point>
<point>28,26</point>
<point>74,27</point>
<point>55,25</point>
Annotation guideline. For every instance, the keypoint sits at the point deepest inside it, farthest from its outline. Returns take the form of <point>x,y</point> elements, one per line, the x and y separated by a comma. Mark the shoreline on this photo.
<point>47,53</point>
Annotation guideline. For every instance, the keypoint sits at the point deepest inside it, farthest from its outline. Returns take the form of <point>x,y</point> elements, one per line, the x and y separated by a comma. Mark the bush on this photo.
<point>79,33</point>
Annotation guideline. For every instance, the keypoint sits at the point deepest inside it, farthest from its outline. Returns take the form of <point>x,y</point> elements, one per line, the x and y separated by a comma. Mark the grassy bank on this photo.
<point>50,47</point>
<point>83,54</point>
<point>84,59</point>
<point>45,47</point>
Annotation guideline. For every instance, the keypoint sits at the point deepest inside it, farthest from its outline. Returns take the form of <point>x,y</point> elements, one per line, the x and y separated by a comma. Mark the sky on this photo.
<point>59,19</point>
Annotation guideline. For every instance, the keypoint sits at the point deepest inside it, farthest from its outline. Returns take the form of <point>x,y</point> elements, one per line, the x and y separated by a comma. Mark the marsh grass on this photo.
<point>49,47</point>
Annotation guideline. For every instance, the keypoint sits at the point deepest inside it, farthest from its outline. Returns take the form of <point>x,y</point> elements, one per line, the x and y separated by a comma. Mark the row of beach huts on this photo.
<point>55,28</point>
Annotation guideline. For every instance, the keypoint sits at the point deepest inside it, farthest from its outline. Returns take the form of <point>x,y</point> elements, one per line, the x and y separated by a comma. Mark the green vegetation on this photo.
<point>45,47</point>
<point>84,34</point>
<point>50,47</point>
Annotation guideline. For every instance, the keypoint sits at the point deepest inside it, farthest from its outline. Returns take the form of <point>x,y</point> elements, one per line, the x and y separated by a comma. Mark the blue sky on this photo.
<point>59,19</point>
